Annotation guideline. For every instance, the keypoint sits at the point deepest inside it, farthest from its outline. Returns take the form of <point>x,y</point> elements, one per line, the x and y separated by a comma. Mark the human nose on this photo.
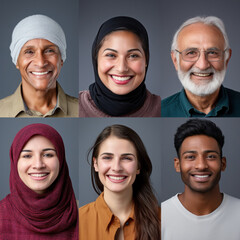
<point>202,62</point>
<point>122,65</point>
<point>39,59</point>
<point>116,165</point>
<point>38,162</point>
<point>201,163</point>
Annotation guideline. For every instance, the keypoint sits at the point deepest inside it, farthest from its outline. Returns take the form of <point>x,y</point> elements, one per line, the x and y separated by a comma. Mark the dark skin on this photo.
<point>200,164</point>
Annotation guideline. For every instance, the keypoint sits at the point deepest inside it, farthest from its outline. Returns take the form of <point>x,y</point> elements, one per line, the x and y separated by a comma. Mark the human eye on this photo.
<point>48,155</point>
<point>110,55</point>
<point>28,52</point>
<point>190,52</point>
<point>212,156</point>
<point>189,157</point>
<point>127,157</point>
<point>134,55</point>
<point>26,156</point>
<point>106,157</point>
<point>213,53</point>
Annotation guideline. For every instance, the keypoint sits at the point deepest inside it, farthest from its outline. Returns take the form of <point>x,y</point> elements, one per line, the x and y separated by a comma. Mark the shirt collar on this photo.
<point>222,105</point>
<point>21,106</point>
<point>107,216</point>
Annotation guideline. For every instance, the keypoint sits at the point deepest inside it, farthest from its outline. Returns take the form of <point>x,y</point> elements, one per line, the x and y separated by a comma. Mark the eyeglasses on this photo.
<point>193,54</point>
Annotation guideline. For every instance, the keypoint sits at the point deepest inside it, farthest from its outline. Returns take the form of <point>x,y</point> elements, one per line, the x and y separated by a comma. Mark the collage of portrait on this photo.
<point>119,120</point>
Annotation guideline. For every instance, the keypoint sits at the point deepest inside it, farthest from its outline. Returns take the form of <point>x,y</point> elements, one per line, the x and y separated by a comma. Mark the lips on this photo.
<point>117,178</point>
<point>121,80</point>
<point>202,74</point>
<point>38,176</point>
<point>201,177</point>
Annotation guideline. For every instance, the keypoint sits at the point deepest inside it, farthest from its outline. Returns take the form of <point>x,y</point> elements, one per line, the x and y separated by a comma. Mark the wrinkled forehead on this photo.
<point>200,35</point>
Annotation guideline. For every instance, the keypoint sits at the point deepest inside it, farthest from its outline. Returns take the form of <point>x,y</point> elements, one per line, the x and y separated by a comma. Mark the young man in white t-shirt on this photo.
<point>201,212</point>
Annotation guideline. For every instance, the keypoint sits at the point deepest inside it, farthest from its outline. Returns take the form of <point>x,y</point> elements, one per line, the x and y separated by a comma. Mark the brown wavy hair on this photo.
<point>146,210</point>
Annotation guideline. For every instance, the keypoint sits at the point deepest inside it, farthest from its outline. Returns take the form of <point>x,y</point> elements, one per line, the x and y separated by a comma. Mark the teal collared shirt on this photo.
<point>177,105</point>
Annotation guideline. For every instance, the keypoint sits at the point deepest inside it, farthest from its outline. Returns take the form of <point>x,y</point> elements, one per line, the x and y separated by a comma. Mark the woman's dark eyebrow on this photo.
<point>45,149</point>
<point>134,49</point>
<point>110,49</point>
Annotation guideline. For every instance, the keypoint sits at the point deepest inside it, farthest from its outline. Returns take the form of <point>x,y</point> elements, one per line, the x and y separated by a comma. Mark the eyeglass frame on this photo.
<point>223,52</point>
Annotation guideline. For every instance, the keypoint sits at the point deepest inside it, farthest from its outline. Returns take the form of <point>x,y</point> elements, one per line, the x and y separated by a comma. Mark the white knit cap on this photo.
<point>37,26</point>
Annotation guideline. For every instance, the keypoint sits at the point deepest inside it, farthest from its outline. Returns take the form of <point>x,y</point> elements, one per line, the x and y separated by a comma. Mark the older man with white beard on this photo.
<point>200,53</point>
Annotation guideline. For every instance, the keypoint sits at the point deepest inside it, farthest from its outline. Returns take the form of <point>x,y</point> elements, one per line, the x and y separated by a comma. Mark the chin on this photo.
<point>201,89</point>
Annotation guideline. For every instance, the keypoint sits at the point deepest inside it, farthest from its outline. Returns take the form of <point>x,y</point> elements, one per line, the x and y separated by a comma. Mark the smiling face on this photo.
<point>200,163</point>
<point>38,164</point>
<point>39,63</point>
<point>116,164</point>
<point>201,77</point>
<point>121,62</point>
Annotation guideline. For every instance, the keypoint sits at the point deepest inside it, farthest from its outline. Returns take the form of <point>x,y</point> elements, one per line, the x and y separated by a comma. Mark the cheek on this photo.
<point>218,66</point>
<point>104,66</point>
<point>54,166</point>
<point>139,68</point>
<point>22,168</point>
<point>185,66</point>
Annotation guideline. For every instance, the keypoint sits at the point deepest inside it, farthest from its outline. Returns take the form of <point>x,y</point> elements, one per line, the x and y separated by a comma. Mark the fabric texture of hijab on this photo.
<point>52,212</point>
<point>107,101</point>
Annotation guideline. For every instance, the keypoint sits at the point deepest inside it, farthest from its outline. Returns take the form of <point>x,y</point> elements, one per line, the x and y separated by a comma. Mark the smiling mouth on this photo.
<point>116,179</point>
<point>121,80</point>
<point>38,176</point>
<point>201,177</point>
<point>40,73</point>
<point>202,74</point>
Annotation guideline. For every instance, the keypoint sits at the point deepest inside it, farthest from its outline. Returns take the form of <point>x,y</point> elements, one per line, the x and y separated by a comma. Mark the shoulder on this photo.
<point>232,200</point>
<point>87,107</point>
<point>87,210</point>
<point>9,105</point>
<point>150,108</point>
<point>171,100</point>
<point>233,95</point>
<point>172,106</point>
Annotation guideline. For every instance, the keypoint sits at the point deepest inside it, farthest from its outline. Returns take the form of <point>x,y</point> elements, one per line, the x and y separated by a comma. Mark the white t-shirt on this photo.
<point>180,224</point>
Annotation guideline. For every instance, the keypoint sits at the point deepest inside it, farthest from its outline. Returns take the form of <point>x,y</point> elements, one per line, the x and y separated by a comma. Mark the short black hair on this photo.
<point>198,127</point>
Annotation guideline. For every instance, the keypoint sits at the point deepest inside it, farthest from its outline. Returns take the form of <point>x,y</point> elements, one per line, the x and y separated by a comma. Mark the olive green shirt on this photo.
<point>14,106</point>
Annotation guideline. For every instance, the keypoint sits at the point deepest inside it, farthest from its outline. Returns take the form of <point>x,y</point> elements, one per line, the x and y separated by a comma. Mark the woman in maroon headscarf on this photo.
<point>41,204</point>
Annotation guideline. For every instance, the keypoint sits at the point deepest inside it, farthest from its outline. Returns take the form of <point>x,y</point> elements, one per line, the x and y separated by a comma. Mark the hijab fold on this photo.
<point>107,101</point>
<point>54,211</point>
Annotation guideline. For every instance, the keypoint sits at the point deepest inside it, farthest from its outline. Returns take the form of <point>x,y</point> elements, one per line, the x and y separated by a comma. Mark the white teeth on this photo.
<point>202,74</point>
<point>201,176</point>
<point>116,178</point>
<point>39,73</point>
<point>121,78</point>
<point>38,174</point>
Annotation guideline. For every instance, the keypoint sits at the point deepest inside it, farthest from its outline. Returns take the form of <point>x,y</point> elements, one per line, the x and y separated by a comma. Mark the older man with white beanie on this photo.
<point>38,49</point>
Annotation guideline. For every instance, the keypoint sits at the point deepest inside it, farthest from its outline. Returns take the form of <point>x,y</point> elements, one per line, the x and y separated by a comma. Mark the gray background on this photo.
<point>65,12</point>
<point>161,19</point>
<point>149,131</point>
<point>67,129</point>
<point>171,180</point>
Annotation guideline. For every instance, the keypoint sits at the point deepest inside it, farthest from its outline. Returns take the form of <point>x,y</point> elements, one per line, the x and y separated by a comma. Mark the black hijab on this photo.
<point>107,101</point>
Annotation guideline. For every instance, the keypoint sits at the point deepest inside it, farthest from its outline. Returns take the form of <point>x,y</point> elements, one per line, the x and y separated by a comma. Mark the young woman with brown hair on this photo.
<point>126,208</point>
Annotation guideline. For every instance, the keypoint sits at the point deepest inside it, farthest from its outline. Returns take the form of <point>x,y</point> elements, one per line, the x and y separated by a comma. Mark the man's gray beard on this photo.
<point>206,87</point>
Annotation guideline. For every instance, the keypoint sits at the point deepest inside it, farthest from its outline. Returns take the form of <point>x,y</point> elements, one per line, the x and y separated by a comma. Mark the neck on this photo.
<point>119,203</point>
<point>40,101</point>
<point>201,203</point>
<point>203,103</point>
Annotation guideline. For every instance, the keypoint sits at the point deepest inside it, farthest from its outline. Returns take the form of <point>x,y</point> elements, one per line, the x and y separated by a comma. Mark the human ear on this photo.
<point>177,164</point>
<point>138,171</point>
<point>95,164</point>
<point>174,59</point>
<point>223,163</point>
<point>229,56</point>
<point>17,66</point>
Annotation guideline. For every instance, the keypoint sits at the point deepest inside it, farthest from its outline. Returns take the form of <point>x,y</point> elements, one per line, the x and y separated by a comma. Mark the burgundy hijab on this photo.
<point>51,215</point>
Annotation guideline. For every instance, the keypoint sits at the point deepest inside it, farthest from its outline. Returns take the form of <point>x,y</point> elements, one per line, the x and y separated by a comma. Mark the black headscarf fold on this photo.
<point>107,101</point>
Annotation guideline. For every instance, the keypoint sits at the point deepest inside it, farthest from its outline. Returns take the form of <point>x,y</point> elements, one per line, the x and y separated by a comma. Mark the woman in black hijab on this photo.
<point>120,56</point>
